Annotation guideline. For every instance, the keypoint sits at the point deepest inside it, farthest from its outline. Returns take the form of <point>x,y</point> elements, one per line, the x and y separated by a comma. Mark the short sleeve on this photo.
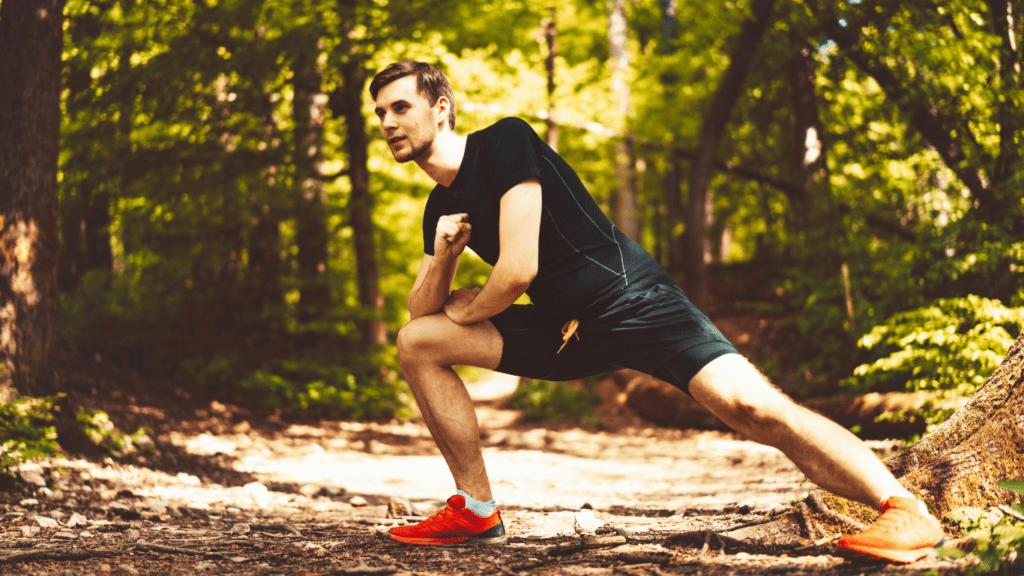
<point>514,154</point>
<point>438,204</point>
<point>431,214</point>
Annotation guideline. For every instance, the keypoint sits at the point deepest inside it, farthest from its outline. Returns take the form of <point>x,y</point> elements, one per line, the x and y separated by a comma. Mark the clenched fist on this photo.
<point>452,235</point>
<point>457,303</point>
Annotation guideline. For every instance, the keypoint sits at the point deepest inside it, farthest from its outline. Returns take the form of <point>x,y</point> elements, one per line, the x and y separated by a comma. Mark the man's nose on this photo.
<point>388,122</point>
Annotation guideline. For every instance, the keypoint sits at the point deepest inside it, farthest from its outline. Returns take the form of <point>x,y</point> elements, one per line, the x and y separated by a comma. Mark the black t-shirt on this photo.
<point>586,264</point>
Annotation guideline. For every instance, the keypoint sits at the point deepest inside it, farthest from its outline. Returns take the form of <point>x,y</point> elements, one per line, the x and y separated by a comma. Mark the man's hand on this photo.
<point>452,235</point>
<point>458,302</point>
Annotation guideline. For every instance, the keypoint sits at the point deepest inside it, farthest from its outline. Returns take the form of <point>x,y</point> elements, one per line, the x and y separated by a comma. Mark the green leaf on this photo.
<point>1015,485</point>
<point>951,553</point>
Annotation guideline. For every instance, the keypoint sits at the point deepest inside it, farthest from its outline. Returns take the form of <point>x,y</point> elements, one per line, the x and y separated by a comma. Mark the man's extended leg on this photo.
<point>830,455</point>
<point>427,349</point>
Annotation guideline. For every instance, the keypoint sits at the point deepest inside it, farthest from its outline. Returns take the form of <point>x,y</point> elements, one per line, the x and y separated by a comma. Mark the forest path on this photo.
<point>286,498</point>
<point>530,466</point>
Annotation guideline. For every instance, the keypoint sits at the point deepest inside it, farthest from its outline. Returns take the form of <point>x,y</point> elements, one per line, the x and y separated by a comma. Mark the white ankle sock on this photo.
<point>481,509</point>
<point>923,508</point>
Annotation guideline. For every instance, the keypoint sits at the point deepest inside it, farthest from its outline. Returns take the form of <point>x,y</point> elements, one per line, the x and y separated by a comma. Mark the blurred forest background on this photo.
<point>230,217</point>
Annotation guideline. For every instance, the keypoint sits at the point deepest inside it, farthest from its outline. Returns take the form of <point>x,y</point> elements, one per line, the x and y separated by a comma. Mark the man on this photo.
<point>600,302</point>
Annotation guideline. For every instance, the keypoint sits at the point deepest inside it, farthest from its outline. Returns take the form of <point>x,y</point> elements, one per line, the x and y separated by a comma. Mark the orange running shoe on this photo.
<point>901,534</point>
<point>455,524</point>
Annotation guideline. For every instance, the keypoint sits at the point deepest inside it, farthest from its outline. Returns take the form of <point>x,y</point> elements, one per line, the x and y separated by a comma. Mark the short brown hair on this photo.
<point>430,82</point>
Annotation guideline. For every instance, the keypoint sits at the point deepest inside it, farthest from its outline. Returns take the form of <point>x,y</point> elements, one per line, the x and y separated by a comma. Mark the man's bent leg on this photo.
<point>427,349</point>
<point>830,455</point>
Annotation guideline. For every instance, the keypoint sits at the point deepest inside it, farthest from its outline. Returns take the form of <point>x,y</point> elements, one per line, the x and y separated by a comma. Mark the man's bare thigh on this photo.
<point>435,338</point>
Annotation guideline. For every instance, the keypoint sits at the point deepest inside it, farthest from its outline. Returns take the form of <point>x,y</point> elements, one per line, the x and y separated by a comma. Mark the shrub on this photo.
<point>312,390</point>
<point>999,548</point>
<point>26,431</point>
<point>951,346</point>
<point>543,400</point>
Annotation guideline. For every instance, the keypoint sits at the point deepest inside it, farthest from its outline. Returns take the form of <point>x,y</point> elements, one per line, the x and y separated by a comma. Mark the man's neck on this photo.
<point>442,161</point>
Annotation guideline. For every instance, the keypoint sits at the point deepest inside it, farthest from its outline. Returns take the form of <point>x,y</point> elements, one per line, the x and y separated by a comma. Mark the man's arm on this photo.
<point>433,285</point>
<point>433,282</point>
<point>518,237</point>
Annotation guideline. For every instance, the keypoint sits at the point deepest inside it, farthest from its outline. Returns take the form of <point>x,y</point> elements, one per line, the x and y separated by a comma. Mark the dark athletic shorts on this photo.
<point>658,332</point>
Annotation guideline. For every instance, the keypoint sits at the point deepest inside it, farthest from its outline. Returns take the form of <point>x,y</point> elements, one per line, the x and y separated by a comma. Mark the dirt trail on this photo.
<point>310,499</point>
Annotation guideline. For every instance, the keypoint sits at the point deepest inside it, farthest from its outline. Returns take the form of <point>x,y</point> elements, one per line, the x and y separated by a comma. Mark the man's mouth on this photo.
<point>394,141</point>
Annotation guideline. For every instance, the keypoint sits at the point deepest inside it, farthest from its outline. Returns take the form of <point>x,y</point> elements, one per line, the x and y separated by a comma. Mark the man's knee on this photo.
<point>735,391</point>
<point>414,339</point>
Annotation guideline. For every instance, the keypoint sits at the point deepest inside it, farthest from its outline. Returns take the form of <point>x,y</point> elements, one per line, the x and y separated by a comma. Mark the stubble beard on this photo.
<point>413,154</point>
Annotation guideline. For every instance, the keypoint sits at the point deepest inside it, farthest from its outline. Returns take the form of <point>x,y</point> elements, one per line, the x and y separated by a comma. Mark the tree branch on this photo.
<point>795,193</point>
<point>332,177</point>
<point>1009,71</point>
<point>922,117</point>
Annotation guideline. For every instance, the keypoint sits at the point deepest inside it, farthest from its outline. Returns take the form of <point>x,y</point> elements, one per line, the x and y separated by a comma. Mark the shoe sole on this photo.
<point>456,541</point>
<point>904,556</point>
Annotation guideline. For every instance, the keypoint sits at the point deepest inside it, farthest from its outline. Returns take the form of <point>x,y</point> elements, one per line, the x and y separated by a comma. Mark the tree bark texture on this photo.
<point>711,134</point>
<point>625,190</point>
<point>310,214</point>
<point>31,41</point>
<point>960,462</point>
<point>373,329</point>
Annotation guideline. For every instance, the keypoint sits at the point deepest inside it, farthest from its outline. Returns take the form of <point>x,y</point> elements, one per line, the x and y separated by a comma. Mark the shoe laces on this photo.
<point>442,516</point>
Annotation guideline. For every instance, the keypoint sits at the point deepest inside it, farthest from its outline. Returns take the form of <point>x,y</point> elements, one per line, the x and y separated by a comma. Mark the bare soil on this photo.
<point>231,491</point>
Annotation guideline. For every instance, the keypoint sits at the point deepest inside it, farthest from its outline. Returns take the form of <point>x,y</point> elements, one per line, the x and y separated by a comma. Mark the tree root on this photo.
<point>173,550</point>
<point>59,555</point>
<point>586,544</point>
<point>704,538</point>
<point>806,520</point>
<point>817,543</point>
<point>816,502</point>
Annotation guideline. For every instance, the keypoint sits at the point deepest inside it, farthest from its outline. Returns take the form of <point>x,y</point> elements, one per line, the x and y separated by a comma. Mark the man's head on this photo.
<point>413,101</point>
<point>431,83</point>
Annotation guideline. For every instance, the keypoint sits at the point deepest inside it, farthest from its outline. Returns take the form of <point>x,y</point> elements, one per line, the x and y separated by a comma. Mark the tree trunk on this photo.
<point>551,35</point>
<point>625,191</point>
<point>31,41</point>
<point>711,133</point>
<point>1009,77</point>
<point>810,148</point>
<point>77,193</point>
<point>674,214</point>
<point>960,462</point>
<point>310,215</point>
<point>373,330</point>
<point>72,248</point>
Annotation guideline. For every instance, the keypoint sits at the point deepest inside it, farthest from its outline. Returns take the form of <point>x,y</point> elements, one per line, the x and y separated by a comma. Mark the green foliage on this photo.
<point>952,346</point>
<point>179,142</point>
<point>544,400</point>
<point>26,431</point>
<point>999,548</point>
<point>97,426</point>
<point>334,393</point>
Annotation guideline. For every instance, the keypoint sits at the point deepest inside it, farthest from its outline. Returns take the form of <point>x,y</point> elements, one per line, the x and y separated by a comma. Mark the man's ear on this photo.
<point>443,108</point>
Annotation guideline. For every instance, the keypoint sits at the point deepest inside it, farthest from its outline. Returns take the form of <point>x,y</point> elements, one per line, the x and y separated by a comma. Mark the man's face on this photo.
<point>407,120</point>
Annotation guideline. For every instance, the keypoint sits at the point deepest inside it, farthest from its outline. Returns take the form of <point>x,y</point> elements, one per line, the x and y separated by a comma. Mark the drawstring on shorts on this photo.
<point>568,331</point>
